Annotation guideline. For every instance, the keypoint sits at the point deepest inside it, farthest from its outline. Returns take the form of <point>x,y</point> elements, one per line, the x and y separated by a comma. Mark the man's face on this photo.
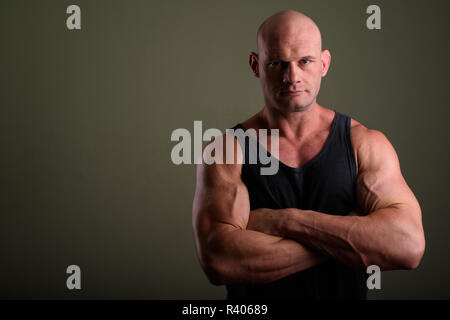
<point>290,71</point>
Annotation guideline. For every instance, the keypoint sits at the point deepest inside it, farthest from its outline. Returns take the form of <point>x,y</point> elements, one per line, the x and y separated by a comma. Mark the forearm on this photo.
<point>383,238</point>
<point>246,256</point>
<point>329,234</point>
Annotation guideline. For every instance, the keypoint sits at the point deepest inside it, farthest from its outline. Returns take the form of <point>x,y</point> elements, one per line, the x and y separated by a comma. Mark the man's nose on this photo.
<point>291,73</point>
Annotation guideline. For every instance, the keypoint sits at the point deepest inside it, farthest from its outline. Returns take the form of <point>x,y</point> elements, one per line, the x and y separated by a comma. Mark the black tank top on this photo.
<point>327,184</point>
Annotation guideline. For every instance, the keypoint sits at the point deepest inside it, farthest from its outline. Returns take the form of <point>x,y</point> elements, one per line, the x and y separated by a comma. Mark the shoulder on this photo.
<point>221,160</point>
<point>222,157</point>
<point>371,147</point>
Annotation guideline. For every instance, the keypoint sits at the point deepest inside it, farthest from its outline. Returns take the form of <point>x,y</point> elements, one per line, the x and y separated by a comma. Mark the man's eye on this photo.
<point>305,61</point>
<point>275,63</point>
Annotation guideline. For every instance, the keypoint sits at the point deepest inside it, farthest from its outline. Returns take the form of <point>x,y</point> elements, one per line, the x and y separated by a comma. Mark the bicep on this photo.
<point>380,183</point>
<point>220,195</point>
<point>220,198</point>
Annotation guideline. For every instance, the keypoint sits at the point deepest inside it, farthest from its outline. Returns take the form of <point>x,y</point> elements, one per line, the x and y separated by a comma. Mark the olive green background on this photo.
<point>86,119</point>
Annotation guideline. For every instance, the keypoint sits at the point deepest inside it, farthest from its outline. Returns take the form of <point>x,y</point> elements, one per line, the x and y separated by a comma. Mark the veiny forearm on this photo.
<point>234,256</point>
<point>385,237</point>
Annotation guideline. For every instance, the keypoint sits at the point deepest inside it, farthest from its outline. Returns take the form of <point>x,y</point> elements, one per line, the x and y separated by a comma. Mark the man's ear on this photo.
<point>326,60</point>
<point>253,61</point>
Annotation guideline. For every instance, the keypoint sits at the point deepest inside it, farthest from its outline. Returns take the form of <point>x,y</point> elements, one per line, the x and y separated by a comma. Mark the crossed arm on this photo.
<point>235,245</point>
<point>228,252</point>
<point>387,231</point>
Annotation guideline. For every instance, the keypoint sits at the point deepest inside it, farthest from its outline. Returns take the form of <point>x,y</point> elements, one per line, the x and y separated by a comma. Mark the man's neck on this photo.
<point>292,125</point>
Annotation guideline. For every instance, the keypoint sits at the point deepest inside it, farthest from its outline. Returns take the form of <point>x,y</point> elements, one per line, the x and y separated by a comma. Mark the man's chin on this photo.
<point>295,106</point>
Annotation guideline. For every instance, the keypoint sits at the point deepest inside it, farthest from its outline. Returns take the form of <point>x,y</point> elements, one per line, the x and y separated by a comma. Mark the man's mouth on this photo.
<point>292,92</point>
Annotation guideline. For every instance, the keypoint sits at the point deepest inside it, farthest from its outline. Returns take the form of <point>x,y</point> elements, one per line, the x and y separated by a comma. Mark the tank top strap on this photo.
<point>341,140</point>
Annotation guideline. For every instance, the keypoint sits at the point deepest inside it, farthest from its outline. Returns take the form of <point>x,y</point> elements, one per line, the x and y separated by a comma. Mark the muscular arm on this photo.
<point>228,253</point>
<point>389,232</point>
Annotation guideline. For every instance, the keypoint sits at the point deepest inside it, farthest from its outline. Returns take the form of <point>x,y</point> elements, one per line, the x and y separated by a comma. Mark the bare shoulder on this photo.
<point>220,163</point>
<point>358,132</point>
<point>369,145</point>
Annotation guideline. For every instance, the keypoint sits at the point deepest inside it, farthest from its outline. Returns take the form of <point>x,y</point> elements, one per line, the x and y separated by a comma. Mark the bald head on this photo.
<point>290,62</point>
<point>290,27</point>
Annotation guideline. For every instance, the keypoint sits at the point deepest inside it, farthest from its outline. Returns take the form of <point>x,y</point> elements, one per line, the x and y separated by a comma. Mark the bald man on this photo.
<point>337,204</point>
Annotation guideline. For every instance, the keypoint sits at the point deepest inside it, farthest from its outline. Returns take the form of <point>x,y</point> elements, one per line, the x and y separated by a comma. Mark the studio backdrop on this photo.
<point>89,104</point>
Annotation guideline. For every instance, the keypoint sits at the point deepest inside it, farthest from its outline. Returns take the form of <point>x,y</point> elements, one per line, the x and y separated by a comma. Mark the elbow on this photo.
<point>410,246</point>
<point>219,263</point>
<point>409,257</point>
<point>414,245</point>
<point>413,254</point>
<point>214,275</point>
<point>224,271</point>
<point>214,270</point>
<point>405,257</point>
